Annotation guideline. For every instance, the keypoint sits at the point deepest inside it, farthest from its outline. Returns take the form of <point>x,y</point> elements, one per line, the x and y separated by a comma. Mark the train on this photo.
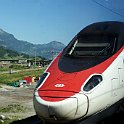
<point>85,81</point>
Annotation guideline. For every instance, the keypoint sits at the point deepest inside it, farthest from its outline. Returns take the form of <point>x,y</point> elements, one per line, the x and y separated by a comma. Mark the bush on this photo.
<point>17,67</point>
<point>15,77</point>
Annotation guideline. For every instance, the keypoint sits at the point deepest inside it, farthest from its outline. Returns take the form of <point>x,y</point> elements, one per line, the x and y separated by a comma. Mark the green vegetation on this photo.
<point>5,53</point>
<point>13,67</point>
<point>14,77</point>
<point>10,54</point>
<point>10,120</point>
<point>13,108</point>
<point>3,69</point>
<point>17,67</point>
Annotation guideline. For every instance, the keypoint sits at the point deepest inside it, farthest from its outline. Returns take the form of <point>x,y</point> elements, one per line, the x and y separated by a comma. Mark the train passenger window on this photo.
<point>93,82</point>
<point>42,78</point>
<point>93,45</point>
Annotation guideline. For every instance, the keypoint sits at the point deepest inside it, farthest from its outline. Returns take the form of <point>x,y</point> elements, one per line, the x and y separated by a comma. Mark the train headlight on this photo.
<point>92,82</point>
<point>42,79</point>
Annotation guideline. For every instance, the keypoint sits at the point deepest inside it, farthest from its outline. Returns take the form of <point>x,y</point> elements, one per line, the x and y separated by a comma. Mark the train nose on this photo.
<point>66,110</point>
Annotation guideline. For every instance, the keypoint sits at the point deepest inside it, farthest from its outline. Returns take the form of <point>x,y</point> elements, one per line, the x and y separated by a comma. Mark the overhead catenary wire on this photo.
<point>111,10</point>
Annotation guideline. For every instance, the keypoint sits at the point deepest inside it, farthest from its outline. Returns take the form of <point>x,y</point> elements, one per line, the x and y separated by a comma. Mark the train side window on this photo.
<point>92,82</point>
<point>42,78</point>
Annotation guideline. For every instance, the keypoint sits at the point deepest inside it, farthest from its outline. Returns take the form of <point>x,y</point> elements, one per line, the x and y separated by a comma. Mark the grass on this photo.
<point>13,108</point>
<point>14,77</point>
<point>13,67</point>
<point>9,121</point>
<point>4,69</point>
<point>17,67</point>
<point>15,114</point>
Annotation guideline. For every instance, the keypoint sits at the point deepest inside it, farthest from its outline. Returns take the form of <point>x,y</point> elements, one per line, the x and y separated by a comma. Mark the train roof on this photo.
<point>113,27</point>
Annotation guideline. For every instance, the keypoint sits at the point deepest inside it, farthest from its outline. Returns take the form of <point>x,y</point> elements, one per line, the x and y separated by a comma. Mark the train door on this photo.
<point>121,76</point>
<point>117,74</point>
<point>118,80</point>
<point>115,85</point>
<point>121,73</point>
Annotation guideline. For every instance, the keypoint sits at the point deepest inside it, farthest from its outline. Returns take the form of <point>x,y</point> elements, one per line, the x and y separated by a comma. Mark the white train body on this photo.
<point>84,89</point>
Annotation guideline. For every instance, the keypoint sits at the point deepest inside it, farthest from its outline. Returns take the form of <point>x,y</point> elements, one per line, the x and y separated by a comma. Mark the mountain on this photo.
<point>44,50</point>
<point>5,53</point>
<point>10,54</point>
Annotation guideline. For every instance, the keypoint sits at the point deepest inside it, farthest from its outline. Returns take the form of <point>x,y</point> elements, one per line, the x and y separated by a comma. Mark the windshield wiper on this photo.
<point>103,50</point>
<point>70,55</point>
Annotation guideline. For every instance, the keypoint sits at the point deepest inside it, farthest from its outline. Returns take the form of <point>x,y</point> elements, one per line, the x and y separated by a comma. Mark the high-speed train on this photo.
<point>85,82</point>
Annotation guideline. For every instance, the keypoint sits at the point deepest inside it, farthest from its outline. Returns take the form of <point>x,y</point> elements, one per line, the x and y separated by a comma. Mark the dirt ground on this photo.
<point>16,103</point>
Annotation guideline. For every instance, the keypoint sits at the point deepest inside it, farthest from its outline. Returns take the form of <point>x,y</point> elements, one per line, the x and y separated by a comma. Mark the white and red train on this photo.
<point>85,82</point>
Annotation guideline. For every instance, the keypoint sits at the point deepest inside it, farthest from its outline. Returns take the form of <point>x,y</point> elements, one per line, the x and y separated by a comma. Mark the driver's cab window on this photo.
<point>101,45</point>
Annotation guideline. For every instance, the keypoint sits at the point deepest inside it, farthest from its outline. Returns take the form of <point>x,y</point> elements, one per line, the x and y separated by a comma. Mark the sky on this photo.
<point>43,21</point>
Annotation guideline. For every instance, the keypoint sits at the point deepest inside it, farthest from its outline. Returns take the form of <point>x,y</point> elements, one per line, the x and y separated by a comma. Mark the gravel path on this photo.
<point>16,103</point>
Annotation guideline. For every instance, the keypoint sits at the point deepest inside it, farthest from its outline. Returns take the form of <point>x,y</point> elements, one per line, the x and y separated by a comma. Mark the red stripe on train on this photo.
<point>60,85</point>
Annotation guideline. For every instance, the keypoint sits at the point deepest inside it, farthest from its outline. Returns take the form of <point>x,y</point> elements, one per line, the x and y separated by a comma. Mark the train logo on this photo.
<point>59,85</point>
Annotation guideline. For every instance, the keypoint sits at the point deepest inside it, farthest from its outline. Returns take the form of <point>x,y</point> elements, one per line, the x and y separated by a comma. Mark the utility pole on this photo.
<point>35,57</point>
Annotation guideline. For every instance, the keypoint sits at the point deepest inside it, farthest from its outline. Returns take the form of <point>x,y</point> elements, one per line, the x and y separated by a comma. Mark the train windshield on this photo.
<point>93,45</point>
